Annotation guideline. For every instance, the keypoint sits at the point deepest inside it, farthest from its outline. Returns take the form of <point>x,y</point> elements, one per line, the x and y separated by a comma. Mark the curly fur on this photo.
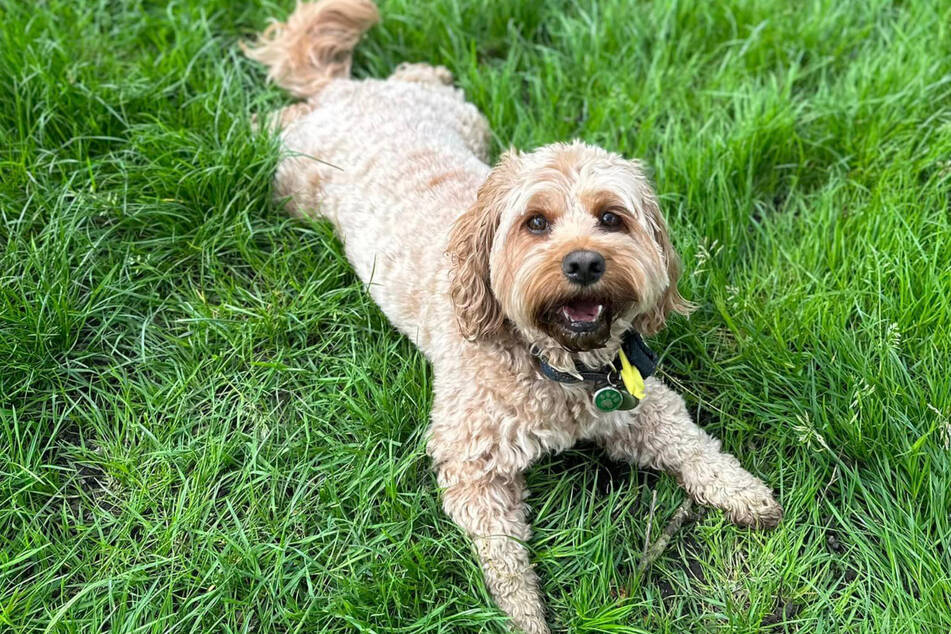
<point>440,239</point>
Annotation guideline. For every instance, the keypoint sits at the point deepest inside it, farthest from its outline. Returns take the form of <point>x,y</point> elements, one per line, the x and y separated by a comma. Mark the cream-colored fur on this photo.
<point>438,237</point>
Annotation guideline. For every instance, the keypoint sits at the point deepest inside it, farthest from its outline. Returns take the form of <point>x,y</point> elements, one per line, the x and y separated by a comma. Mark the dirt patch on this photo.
<point>783,612</point>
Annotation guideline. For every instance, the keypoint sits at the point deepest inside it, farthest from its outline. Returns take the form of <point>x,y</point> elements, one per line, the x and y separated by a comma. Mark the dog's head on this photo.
<point>568,244</point>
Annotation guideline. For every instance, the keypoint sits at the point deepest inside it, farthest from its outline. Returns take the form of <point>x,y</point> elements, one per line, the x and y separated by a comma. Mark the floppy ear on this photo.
<point>470,241</point>
<point>653,321</point>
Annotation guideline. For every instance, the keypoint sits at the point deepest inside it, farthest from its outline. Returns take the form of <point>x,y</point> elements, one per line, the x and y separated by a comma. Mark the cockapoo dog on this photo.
<point>519,282</point>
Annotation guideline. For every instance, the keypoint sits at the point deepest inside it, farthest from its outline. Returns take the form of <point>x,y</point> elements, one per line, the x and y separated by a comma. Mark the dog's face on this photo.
<point>567,243</point>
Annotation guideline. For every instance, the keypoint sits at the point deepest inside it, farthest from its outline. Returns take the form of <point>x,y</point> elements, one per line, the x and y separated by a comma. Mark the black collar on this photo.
<point>640,356</point>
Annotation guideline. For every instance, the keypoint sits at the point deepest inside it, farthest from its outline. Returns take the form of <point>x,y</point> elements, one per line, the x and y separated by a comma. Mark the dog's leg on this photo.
<point>490,510</point>
<point>661,435</point>
<point>472,125</point>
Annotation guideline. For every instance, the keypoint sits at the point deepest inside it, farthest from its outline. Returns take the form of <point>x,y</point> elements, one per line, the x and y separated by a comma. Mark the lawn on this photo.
<point>206,425</point>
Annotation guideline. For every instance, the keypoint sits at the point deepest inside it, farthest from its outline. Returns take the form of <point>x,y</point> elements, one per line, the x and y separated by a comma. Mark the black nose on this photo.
<point>583,267</point>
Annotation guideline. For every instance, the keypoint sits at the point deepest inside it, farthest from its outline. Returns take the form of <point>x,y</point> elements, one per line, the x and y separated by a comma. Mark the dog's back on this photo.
<point>392,163</point>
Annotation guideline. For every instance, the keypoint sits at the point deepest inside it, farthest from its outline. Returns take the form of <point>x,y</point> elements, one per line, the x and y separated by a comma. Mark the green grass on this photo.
<point>206,425</point>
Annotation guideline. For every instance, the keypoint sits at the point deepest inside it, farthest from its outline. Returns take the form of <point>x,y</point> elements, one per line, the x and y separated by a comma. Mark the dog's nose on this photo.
<point>583,267</point>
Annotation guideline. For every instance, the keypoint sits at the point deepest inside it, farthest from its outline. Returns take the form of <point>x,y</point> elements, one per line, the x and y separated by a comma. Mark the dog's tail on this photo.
<point>315,45</point>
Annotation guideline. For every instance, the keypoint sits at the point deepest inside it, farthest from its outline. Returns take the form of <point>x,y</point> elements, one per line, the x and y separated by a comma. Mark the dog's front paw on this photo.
<point>755,507</point>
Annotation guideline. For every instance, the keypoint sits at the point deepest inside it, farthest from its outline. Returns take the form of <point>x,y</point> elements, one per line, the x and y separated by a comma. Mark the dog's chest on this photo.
<point>562,414</point>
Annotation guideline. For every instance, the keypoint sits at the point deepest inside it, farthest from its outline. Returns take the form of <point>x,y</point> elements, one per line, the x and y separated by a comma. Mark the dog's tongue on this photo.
<point>582,310</point>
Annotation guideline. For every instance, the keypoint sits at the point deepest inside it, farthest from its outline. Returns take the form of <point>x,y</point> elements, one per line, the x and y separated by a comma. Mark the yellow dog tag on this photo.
<point>633,380</point>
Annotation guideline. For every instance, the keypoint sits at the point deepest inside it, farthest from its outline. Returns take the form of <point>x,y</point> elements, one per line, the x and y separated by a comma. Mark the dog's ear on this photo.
<point>653,320</point>
<point>470,241</point>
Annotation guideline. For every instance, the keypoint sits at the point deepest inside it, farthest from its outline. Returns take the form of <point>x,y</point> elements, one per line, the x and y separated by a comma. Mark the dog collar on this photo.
<point>635,362</point>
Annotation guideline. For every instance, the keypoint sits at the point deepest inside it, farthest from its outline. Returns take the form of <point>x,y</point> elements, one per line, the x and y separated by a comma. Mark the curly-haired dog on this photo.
<point>515,281</point>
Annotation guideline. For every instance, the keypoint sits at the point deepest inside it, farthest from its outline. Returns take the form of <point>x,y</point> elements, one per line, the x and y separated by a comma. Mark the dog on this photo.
<point>520,283</point>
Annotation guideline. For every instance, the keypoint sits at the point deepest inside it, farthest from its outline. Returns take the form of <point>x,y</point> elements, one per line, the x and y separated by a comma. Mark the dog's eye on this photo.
<point>610,220</point>
<point>537,223</point>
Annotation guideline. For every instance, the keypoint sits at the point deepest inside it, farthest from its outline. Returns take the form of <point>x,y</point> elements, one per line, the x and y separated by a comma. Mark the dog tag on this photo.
<point>608,398</point>
<point>628,401</point>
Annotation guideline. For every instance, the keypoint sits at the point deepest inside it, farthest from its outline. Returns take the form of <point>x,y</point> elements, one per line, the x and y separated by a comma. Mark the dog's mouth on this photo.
<point>582,315</point>
<point>578,324</point>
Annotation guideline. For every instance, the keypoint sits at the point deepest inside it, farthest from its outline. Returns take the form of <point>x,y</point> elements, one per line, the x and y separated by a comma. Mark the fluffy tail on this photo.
<point>315,45</point>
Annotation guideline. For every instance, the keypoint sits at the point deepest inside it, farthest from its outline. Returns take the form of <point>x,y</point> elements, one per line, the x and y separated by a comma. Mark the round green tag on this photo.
<point>608,399</point>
